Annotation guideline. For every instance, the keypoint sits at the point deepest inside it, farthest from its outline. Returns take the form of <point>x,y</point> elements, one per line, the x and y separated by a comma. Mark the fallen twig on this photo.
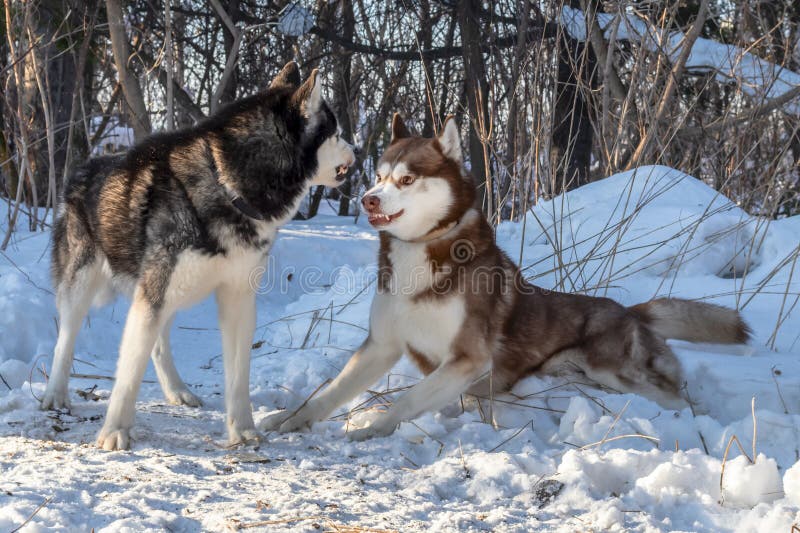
<point>41,505</point>
<point>100,376</point>
<point>308,398</point>
<point>331,524</point>
<point>441,444</point>
<point>530,423</point>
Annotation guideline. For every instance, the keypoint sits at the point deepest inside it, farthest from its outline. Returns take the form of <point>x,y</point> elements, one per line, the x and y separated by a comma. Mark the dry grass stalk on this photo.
<point>614,423</point>
<point>654,440</point>
<point>734,438</point>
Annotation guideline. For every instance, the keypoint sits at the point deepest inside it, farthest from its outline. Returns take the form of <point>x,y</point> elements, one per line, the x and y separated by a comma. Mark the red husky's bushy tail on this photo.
<point>673,318</point>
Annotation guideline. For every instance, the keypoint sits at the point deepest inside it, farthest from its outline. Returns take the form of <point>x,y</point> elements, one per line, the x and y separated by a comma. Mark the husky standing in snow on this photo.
<point>460,308</point>
<point>182,215</point>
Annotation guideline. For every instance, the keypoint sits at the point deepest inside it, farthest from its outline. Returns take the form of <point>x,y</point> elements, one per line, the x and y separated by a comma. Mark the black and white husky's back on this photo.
<point>182,215</point>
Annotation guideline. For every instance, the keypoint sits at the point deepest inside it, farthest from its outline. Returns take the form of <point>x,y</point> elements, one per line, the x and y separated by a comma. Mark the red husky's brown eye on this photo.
<point>406,180</point>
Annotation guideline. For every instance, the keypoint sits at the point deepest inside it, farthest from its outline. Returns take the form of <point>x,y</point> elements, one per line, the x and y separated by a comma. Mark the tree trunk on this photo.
<point>140,119</point>
<point>425,38</point>
<point>571,149</point>
<point>477,96</point>
<point>342,95</point>
<point>76,148</point>
<point>231,84</point>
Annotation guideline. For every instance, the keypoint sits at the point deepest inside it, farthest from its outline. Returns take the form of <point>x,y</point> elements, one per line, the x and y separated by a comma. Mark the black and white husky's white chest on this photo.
<point>197,274</point>
<point>237,262</point>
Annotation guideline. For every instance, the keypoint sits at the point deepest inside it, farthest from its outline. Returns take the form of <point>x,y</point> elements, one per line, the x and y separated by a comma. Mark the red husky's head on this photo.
<point>421,185</point>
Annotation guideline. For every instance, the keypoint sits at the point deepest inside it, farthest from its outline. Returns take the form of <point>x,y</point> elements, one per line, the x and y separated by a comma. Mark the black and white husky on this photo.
<point>182,215</point>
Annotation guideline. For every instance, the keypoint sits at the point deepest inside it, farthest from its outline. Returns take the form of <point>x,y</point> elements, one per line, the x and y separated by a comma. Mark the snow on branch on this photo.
<point>756,76</point>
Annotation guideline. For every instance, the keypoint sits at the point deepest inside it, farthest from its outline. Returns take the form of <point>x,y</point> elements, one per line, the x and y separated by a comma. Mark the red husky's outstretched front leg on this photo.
<point>439,388</point>
<point>372,360</point>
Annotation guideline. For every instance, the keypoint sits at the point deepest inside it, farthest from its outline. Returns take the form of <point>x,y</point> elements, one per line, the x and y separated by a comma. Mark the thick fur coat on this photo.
<point>459,307</point>
<point>182,215</point>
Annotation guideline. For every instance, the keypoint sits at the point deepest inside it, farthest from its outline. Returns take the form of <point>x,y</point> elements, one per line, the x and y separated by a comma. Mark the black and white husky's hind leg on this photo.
<point>74,295</point>
<point>175,390</point>
<point>237,321</point>
<point>142,327</point>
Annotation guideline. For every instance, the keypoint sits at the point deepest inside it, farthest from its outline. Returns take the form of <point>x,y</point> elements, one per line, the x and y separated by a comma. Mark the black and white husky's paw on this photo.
<point>55,398</point>
<point>183,397</point>
<point>113,437</point>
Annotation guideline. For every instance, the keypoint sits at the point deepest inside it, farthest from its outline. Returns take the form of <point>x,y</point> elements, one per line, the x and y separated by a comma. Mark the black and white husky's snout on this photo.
<point>182,215</point>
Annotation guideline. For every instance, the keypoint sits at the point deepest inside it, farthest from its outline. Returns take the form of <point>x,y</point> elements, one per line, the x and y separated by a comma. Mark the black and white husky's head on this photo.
<point>421,186</point>
<point>317,125</point>
<point>276,143</point>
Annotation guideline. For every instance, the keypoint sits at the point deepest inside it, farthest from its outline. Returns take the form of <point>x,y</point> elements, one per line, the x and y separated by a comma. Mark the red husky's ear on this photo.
<point>399,130</point>
<point>450,140</point>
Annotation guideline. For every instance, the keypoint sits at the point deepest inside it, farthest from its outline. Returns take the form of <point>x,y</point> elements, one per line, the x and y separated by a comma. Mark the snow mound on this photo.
<point>747,484</point>
<point>791,484</point>
<point>652,219</point>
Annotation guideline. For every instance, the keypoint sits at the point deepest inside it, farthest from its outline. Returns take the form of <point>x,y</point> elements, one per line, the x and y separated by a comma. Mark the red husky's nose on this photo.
<point>371,202</point>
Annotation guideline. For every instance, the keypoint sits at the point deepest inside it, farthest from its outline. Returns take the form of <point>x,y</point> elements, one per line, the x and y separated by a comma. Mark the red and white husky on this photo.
<point>458,306</point>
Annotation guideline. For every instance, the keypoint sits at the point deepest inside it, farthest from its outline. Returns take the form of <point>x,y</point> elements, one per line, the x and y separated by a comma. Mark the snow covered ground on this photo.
<point>560,456</point>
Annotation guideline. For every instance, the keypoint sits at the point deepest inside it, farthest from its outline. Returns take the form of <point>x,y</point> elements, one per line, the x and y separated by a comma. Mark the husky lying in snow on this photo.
<point>460,308</point>
<point>181,215</point>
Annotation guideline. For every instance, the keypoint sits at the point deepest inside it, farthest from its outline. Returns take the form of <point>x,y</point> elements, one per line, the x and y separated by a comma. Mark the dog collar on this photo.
<point>237,201</point>
<point>246,209</point>
<point>435,234</point>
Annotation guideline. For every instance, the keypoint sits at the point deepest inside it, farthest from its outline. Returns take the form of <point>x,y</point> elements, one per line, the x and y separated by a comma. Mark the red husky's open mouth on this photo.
<point>381,219</point>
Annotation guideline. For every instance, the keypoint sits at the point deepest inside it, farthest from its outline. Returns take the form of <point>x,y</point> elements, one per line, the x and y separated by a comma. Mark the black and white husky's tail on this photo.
<point>673,318</point>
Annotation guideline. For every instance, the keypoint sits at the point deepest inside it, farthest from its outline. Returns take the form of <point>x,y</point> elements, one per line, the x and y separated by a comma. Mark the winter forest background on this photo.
<point>550,95</point>
<point>631,149</point>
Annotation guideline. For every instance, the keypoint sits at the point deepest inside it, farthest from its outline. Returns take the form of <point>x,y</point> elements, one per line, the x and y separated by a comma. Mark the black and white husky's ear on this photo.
<point>449,139</point>
<point>289,76</point>
<point>399,130</point>
<point>309,96</point>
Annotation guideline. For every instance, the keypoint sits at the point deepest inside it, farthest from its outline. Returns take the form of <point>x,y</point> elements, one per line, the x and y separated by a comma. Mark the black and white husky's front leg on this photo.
<point>237,321</point>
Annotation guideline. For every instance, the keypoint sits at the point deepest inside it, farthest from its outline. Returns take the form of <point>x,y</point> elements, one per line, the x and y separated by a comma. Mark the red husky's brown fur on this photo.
<point>468,309</point>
